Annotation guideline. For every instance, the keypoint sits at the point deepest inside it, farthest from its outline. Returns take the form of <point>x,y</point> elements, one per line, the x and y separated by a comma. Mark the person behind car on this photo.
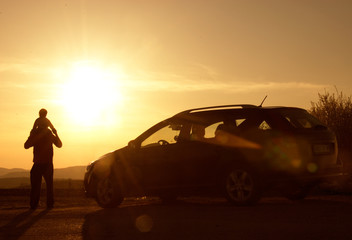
<point>198,132</point>
<point>221,134</point>
<point>229,135</point>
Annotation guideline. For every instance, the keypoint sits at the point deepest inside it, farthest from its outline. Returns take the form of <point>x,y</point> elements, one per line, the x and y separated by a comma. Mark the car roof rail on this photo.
<point>220,107</point>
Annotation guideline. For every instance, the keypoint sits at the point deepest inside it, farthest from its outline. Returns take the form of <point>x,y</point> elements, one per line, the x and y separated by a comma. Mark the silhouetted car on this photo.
<point>235,151</point>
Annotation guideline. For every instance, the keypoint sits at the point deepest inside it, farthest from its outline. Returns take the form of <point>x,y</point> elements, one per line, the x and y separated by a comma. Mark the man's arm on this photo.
<point>30,140</point>
<point>57,141</point>
<point>29,143</point>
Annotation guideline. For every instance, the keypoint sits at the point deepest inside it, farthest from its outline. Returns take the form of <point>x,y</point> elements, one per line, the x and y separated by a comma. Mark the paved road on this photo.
<point>324,217</point>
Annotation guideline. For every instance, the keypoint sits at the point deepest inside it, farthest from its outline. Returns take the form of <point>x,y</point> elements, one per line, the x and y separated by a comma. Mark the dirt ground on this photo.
<point>77,217</point>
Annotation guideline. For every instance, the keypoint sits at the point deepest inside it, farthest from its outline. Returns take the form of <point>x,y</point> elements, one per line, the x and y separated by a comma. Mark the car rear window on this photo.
<point>299,118</point>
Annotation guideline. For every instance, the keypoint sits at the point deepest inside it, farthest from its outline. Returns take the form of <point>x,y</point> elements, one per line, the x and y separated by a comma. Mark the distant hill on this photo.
<point>76,172</point>
<point>69,177</point>
<point>4,171</point>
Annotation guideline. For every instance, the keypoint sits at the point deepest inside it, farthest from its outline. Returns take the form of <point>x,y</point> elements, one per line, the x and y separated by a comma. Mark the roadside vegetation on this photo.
<point>335,110</point>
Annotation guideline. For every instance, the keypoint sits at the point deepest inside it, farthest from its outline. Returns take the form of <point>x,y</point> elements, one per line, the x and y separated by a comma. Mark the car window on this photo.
<point>300,119</point>
<point>234,123</point>
<point>254,122</point>
<point>210,130</point>
<point>299,122</point>
<point>239,121</point>
<point>163,136</point>
<point>264,126</point>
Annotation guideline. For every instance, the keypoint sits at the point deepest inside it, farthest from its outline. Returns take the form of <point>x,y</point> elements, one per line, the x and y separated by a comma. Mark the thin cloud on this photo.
<point>253,86</point>
<point>200,78</point>
<point>24,84</point>
<point>178,83</point>
<point>29,67</point>
<point>19,75</point>
<point>10,66</point>
<point>11,85</point>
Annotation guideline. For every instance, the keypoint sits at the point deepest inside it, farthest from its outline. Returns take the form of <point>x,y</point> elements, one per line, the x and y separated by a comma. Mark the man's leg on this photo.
<point>36,182</point>
<point>48,176</point>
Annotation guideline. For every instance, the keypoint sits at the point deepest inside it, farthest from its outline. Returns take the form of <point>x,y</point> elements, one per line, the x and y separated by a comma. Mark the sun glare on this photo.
<point>91,94</point>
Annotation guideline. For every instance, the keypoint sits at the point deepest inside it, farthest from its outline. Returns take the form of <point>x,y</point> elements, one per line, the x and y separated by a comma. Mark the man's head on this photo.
<point>198,132</point>
<point>43,112</point>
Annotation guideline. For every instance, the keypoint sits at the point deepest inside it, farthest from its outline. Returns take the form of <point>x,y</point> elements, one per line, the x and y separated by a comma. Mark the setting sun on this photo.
<point>91,94</point>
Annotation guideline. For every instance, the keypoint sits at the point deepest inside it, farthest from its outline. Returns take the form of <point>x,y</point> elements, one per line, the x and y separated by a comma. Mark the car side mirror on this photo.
<point>132,144</point>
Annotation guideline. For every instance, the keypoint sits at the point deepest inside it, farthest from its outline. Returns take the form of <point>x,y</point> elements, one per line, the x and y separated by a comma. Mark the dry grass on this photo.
<point>335,110</point>
<point>67,192</point>
<point>19,198</point>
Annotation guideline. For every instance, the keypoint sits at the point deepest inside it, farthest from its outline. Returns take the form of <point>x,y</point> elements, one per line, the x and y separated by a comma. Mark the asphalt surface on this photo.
<point>318,217</point>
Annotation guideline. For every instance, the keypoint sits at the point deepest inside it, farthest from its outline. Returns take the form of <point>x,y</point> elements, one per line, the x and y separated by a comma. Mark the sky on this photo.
<point>107,70</point>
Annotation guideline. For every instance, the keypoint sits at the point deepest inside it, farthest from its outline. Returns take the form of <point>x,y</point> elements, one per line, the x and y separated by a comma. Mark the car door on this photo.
<point>158,169</point>
<point>198,163</point>
<point>200,156</point>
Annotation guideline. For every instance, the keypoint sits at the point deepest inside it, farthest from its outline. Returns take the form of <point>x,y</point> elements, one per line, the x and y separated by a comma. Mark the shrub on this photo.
<point>335,110</point>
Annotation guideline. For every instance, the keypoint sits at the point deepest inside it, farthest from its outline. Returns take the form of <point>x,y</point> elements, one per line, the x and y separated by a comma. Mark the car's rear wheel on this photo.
<point>242,187</point>
<point>108,194</point>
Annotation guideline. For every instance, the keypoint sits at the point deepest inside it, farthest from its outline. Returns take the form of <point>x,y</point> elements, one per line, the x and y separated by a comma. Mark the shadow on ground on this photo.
<point>308,219</point>
<point>18,225</point>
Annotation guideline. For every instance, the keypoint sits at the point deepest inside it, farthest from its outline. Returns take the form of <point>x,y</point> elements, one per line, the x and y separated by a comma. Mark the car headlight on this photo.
<point>90,165</point>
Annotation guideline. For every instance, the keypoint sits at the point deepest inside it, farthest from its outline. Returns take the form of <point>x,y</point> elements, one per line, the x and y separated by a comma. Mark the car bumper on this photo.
<point>328,175</point>
<point>87,184</point>
<point>305,177</point>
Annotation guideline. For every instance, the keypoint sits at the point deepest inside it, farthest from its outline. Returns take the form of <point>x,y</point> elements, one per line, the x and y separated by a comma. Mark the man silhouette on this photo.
<point>42,140</point>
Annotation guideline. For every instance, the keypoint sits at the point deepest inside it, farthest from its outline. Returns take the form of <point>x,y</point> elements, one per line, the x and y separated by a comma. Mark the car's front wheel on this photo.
<point>242,187</point>
<point>108,194</point>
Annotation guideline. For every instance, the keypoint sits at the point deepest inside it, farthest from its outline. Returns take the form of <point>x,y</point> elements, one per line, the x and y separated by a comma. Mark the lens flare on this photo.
<point>144,223</point>
<point>312,167</point>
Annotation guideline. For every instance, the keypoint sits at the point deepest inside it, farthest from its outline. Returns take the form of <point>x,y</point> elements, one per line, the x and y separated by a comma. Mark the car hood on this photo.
<point>114,154</point>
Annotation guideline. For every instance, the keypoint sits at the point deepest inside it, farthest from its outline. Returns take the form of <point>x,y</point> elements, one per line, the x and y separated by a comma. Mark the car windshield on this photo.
<point>301,118</point>
<point>166,134</point>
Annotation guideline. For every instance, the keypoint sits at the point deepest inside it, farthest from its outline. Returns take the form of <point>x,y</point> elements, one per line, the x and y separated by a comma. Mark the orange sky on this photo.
<point>108,70</point>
